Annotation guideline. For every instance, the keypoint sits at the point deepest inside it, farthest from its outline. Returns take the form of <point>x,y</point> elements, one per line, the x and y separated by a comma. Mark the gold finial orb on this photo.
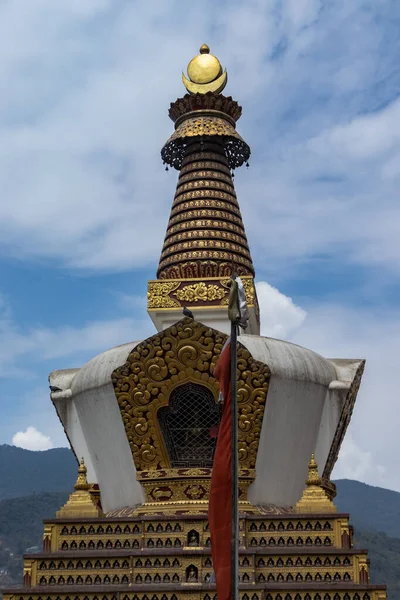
<point>205,73</point>
<point>204,67</point>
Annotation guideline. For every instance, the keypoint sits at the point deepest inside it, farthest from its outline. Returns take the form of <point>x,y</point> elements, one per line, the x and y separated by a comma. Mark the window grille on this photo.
<point>187,425</point>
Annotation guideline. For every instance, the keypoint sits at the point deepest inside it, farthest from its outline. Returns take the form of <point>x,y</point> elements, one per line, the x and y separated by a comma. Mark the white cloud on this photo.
<point>79,166</point>
<point>338,331</point>
<point>359,464</point>
<point>280,317</point>
<point>32,439</point>
<point>370,449</point>
<point>365,137</point>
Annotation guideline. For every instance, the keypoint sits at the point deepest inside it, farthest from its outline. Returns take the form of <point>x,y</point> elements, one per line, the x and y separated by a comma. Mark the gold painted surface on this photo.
<point>191,182</point>
<point>195,269</point>
<point>183,491</point>
<point>210,175</point>
<point>158,294</point>
<point>204,194</point>
<point>48,537</point>
<point>314,498</point>
<point>187,473</point>
<point>207,203</point>
<point>200,292</point>
<point>188,351</point>
<point>205,74</point>
<point>164,294</point>
<point>204,67</point>
<point>206,234</point>
<point>205,214</point>
<point>201,255</point>
<point>195,126</point>
<point>200,224</point>
<point>80,503</point>
<point>205,103</point>
<point>206,164</point>
<point>208,593</point>
<point>188,565</point>
<point>214,86</point>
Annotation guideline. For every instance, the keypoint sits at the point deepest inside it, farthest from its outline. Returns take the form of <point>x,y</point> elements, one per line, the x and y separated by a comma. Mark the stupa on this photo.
<point>141,417</point>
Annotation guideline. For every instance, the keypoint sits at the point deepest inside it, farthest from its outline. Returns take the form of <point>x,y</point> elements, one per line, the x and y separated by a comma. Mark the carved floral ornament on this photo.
<point>185,352</point>
<point>200,292</point>
<point>176,293</point>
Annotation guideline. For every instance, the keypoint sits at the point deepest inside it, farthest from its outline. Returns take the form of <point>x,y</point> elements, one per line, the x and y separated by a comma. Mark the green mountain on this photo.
<point>21,528</point>
<point>371,508</point>
<point>23,472</point>
<point>384,553</point>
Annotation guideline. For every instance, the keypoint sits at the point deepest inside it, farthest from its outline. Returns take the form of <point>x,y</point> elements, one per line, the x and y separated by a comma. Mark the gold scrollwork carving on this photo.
<point>187,351</point>
<point>205,126</point>
<point>170,294</point>
<point>158,294</point>
<point>200,292</point>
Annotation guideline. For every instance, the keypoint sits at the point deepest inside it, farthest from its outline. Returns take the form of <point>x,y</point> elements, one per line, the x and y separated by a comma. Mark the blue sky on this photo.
<point>85,198</point>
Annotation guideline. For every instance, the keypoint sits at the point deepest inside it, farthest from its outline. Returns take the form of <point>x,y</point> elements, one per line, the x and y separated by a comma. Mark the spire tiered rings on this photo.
<point>205,242</point>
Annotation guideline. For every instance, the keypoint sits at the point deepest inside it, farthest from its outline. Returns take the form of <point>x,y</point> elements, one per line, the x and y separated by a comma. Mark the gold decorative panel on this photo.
<point>207,292</point>
<point>185,352</point>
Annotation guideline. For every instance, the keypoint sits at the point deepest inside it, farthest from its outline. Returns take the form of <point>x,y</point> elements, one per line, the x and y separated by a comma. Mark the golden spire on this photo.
<point>313,477</point>
<point>205,73</point>
<point>314,498</point>
<point>80,502</point>
<point>81,482</point>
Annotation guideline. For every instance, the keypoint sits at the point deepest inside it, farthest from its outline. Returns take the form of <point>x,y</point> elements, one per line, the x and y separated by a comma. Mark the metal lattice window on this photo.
<point>187,425</point>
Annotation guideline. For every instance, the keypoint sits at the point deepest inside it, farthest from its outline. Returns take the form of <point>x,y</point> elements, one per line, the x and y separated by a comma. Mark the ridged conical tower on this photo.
<point>205,242</point>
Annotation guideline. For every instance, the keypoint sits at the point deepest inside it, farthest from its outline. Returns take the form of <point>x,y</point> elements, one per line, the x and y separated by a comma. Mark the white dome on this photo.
<point>304,403</point>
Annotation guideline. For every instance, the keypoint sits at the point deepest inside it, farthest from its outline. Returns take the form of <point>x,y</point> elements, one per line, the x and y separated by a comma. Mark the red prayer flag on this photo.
<point>220,504</point>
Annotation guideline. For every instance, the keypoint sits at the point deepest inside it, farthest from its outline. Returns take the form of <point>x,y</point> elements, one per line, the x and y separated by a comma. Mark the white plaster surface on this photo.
<point>92,417</point>
<point>217,318</point>
<point>304,403</point>
<point>301,416</point>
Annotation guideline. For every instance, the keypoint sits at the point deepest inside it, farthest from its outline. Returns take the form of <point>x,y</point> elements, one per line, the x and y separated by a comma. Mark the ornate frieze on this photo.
<point>220,256</point>
<point>186,292</point>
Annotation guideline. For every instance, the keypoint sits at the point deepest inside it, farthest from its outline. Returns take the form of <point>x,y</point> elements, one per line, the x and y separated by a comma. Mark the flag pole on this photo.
<point>235,461</point>
<point>235,317</point>
<point>238,316</point>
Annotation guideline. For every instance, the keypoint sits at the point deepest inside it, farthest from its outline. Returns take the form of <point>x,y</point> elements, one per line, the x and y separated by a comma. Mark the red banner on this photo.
<point>220,504</point>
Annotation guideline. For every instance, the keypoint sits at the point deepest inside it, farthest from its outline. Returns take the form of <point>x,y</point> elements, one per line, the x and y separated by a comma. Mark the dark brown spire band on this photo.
<point>205,235</point>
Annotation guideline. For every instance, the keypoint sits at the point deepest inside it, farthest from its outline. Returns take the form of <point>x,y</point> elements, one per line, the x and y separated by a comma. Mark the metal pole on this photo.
<point>235,461</point>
